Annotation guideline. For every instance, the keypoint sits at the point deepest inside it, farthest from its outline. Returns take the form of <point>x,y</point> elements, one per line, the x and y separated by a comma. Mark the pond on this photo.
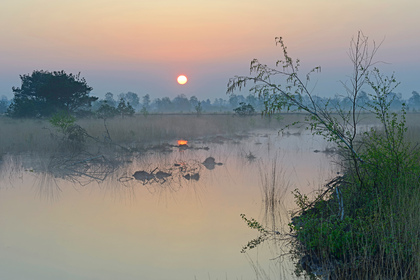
<point>170,213</point>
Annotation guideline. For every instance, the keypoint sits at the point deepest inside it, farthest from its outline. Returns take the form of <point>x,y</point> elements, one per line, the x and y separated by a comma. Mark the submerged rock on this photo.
<point>160,175</point>
<point>143,175</point>
<point>146,177</point>
<point>195,176</point>
<point>209,160</point>
<point>210,163</point>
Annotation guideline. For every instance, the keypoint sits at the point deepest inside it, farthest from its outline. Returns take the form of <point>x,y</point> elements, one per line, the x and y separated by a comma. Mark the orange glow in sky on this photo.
<point>131,45</point>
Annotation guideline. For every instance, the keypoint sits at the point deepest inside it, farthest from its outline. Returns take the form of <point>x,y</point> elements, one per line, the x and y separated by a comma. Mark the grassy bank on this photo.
<point>366,223</point>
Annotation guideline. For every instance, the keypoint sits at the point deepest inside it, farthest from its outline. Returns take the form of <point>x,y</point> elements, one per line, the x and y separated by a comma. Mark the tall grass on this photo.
<point>28,135</point>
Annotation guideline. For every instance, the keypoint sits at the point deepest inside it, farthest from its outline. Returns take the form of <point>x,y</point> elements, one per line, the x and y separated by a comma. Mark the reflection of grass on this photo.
<point>273,230</point>
<point>274,188</point>
<point>28,135</point>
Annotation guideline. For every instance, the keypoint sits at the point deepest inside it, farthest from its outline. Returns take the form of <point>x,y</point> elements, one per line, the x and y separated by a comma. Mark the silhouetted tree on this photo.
<point>146,102</point>
<point>43,93</point>
<point>198,108</point>
<point>130,97</point>
<point>219,104</point>
<point>244,109</point>
<point>4,103</point>
<point>109,98</point>
<point>414,101</point>
<point>125,109</point>
<point>236,100</point>
<point>182,103</point>
<point>194,101</point>
<point>164,104</point>
<point>206,105</point>
<point>106,111</point>
<point>396,101</point>
<point>363,100</point>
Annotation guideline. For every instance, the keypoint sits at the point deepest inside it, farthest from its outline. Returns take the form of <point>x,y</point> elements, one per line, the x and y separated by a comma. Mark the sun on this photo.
<point>182,79</point>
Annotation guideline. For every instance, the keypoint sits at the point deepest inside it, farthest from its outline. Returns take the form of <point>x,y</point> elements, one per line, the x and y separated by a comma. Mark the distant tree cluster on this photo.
<point>181,103</point>
<point>106,111</point>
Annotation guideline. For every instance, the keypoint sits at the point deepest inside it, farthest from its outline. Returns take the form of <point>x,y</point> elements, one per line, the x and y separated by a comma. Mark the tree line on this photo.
<point>44,93</point>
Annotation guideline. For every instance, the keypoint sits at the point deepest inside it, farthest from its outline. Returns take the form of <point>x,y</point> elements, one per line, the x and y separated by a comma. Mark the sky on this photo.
<point>142,46</point>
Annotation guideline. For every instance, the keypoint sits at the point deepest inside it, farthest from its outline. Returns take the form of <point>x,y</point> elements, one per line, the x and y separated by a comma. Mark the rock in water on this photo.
<point>210,163</point>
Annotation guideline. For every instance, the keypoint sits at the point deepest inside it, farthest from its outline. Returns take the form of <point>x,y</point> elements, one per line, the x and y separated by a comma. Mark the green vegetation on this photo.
<point>63,121</point>
<point>73,134</point>
<point>366,223</point>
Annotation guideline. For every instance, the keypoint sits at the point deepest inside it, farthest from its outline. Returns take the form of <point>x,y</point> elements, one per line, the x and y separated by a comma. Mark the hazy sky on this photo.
<point>143,45</point>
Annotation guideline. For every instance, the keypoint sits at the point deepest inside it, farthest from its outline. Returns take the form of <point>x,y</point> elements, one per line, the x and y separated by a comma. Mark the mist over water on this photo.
<point>91,220</point>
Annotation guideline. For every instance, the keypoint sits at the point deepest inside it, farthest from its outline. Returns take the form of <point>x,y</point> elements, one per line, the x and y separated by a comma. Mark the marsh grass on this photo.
<point>39,136</point>
<point>24,135</point>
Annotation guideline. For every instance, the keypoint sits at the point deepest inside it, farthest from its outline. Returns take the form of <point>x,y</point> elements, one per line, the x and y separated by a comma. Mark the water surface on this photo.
<point>57,224</point>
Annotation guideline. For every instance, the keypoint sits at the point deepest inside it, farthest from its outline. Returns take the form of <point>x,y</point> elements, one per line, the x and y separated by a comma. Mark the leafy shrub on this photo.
<point>62,120</point>
<point>65,123</point>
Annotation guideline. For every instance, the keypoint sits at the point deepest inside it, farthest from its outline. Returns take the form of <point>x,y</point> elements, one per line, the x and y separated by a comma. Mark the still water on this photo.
<point>103,223</point>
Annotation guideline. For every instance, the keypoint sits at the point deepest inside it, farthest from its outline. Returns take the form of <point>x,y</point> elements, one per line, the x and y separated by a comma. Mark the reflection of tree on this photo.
<point>83,168</point>
<point>48,172</point>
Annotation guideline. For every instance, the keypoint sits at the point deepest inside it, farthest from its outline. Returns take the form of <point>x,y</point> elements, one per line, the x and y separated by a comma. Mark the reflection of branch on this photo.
<point>94,168</point>
<point>85,160</point>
